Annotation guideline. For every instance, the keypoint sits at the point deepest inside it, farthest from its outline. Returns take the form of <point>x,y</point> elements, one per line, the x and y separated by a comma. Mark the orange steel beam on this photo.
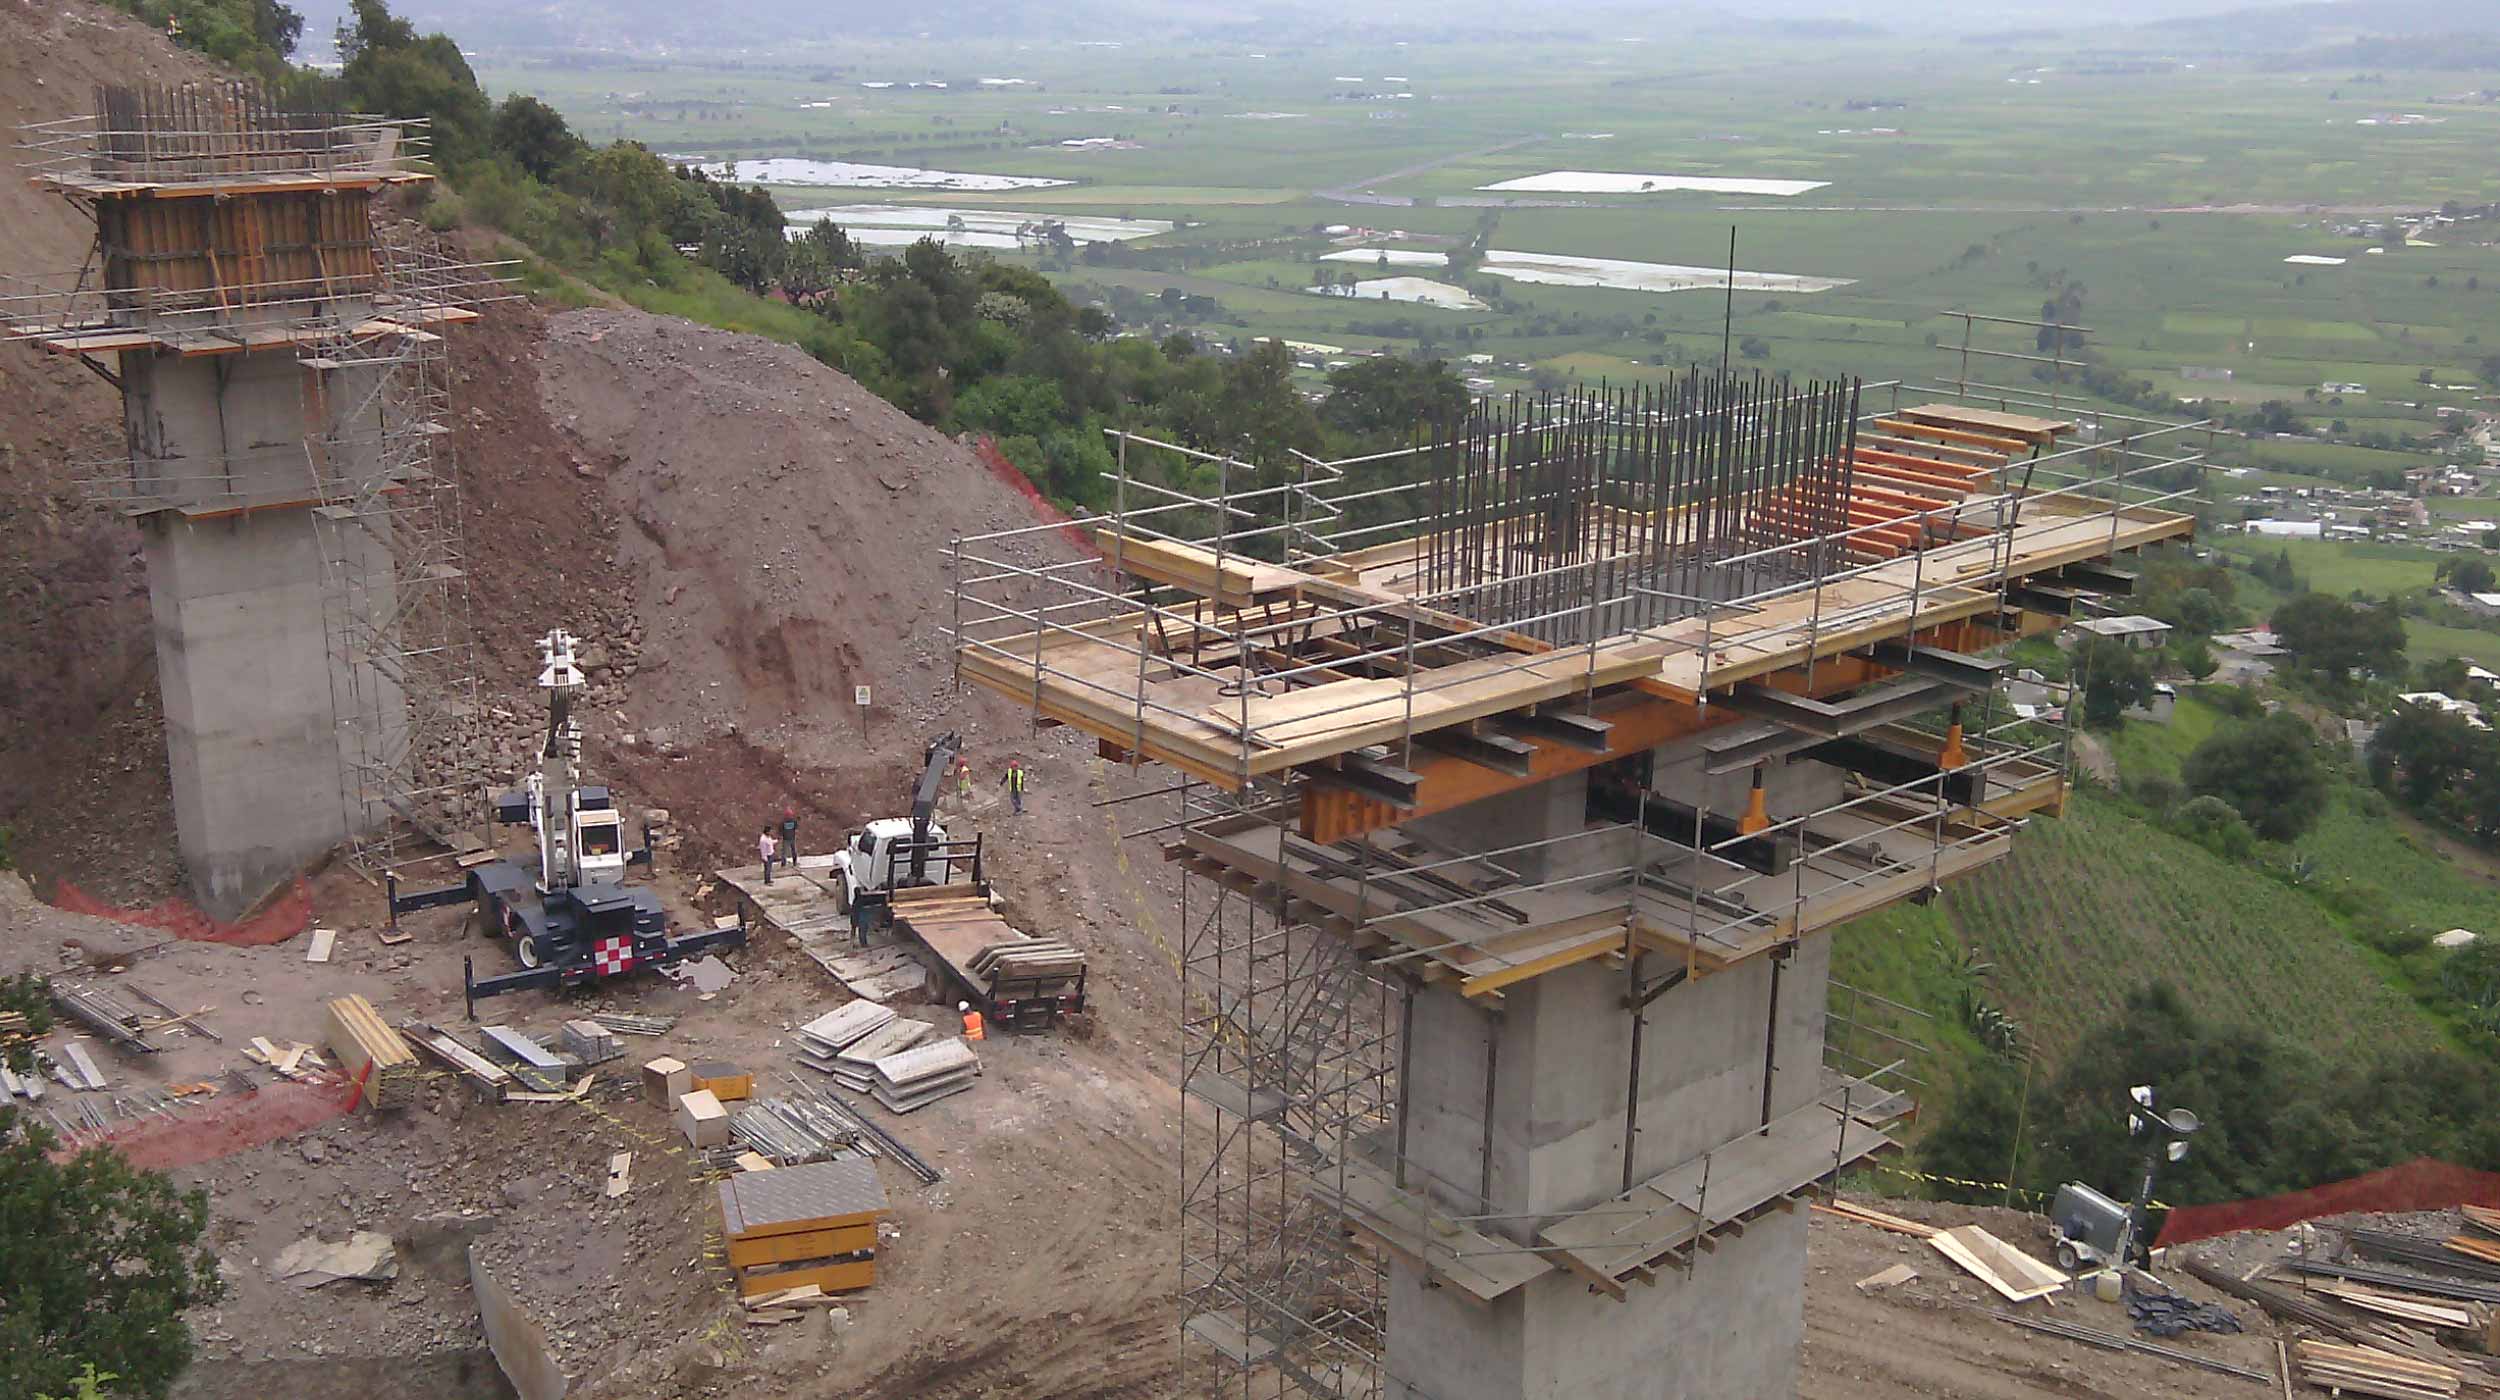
<point>1649,719</point>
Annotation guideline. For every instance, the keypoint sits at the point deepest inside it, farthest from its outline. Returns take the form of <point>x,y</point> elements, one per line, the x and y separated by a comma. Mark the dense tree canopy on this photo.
<point>98,1263</point>
<point>2267,769</point>
<point>2115,679</point>
<point>2334,637</point>
<point>2276,1118</point>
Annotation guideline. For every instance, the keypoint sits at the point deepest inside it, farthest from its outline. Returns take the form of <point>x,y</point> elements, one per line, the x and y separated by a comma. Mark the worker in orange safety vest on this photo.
<point>972,1020</point>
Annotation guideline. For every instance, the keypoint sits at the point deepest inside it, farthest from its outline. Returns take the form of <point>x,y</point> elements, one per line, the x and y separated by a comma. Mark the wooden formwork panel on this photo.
<point>240,252</point>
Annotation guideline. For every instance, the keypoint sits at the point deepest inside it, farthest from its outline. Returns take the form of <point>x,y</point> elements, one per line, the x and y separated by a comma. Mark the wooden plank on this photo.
<point>1879,1219</point>
<point>2013,1274</point>
<point>323,940</point>
<point>2015,425</point>
<point>1487,983</point>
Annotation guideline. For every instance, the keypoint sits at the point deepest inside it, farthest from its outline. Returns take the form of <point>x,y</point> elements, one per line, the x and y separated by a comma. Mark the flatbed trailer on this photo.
<point>1019,982</point>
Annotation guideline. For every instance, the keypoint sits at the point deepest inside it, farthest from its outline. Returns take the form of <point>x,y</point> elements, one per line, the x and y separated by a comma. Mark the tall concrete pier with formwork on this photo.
<point>280,367</point>
<point>1519,781</point>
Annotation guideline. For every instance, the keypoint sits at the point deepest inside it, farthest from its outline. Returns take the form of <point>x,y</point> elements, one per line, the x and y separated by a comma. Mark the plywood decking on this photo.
<point>1091,678</point>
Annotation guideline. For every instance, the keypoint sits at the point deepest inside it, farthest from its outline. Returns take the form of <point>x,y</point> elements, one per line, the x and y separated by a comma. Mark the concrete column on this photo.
<point>1519,1110</point>
<point>246,587</point>
<point>243,658</point>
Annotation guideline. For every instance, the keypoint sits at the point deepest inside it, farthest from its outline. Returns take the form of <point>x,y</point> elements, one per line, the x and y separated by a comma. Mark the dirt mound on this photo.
<point>80,737</point>
<point>782,536</point>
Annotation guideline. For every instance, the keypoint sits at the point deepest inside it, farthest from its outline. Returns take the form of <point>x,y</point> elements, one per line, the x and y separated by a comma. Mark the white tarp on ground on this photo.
<point>916,220</point>
<point>1394,257</point>
<point>844,174</point>
<point>1556,269</point>
<point>1422,290</point>
<point>2314,260</point>
<point>1632,182</point>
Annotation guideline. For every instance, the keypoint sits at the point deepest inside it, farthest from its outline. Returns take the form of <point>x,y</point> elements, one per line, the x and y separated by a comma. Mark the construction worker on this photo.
<point>963,779</point>
<point>790,834</point>
<point>862,915</point>
<point>1015,783</point>
<point>766,850</point>
<point>972,1020</point>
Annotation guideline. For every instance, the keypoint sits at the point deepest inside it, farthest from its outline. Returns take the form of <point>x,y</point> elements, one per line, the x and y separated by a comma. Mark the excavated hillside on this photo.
<point>82,764</point>
<point>743,534</point>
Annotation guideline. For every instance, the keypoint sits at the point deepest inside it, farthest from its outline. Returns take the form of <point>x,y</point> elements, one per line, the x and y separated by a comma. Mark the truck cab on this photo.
<point>869,859</point>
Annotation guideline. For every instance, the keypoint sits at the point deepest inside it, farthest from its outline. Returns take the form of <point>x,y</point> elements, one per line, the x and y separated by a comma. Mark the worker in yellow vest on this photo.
<point>972,1020</point>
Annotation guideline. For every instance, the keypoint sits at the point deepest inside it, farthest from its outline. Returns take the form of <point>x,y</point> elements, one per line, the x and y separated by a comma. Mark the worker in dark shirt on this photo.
<point>790,836</point>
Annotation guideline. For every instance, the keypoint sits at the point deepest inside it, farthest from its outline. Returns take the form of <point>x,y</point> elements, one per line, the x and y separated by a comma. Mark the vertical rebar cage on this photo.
<point>1662,498</point>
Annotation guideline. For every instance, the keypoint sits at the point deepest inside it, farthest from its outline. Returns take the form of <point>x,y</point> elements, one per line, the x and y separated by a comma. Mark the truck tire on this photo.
<point>2067,1258</point>
<point>527,950</point>
<point>479,923</point>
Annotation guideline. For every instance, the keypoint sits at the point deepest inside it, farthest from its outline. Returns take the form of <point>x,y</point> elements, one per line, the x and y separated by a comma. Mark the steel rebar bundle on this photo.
<point>1619,507</point>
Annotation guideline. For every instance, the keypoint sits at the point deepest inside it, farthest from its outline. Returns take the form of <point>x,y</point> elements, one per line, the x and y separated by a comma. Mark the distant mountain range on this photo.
<point>2325,21</point>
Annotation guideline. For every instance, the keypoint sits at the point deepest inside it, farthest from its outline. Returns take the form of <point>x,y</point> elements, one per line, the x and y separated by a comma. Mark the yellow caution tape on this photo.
<point>2023,1192</point>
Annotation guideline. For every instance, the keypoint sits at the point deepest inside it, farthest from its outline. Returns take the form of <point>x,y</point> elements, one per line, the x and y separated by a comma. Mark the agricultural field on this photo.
<point>2159,205</point>
<point>2100,901</point>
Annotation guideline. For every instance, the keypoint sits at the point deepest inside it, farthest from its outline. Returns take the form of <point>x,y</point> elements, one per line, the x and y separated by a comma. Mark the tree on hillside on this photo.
<point>389,69</point>
<point>2114,678</point>
<point>2466,575</point>
<point>1386,398</point>
<point>2429,759</point>
<point>98,1264</point>
<point>534,135</point>
<point>255,34</point>
<point>2267,769</point>
<point>2333,637</point>
<point>2194,656</point>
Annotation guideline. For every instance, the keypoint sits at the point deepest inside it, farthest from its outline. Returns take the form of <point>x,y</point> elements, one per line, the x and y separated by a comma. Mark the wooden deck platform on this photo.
<point>1708,915</point>
<point>1629,1238</point>
<point>1225,724</point>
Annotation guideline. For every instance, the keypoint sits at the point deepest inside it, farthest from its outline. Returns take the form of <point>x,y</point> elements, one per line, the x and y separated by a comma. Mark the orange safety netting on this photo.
<point>1006,471</point>
<point>231,1123</point>
<point>2421,1184</point>
<point>280,919</point>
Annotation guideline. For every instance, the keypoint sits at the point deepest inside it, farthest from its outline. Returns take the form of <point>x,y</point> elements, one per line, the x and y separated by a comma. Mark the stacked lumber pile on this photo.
<point>368,1049</point>
<point>918,1077</point>
<point>2403,1307</point>
<point>2369,1371</point>
<point>793,1227</point>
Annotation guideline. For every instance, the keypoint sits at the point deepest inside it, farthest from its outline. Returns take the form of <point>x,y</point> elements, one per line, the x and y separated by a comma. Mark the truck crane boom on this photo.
<point>940,758</point>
